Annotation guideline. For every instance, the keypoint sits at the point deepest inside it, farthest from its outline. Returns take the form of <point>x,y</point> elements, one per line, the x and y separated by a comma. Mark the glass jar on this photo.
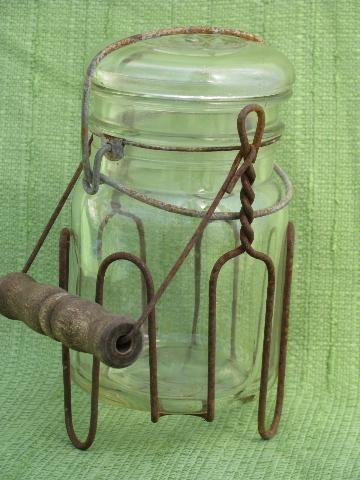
<point>183,91</point>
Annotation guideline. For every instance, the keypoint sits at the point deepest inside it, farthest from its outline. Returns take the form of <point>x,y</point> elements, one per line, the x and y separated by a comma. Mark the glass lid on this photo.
<point>197,66</point>
<point>161,88</point>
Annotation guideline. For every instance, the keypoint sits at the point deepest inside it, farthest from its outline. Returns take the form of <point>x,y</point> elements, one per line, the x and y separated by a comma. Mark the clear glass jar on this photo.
<point>183,91</point>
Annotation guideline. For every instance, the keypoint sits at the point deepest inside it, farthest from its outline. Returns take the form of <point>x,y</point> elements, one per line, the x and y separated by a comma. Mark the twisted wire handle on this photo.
<point>246,172</point>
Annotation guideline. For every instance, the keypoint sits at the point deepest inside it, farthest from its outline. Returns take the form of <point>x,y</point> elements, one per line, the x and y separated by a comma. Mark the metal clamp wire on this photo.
<point>123,142</point>
<point>169,207</point>
<point>92,186</point>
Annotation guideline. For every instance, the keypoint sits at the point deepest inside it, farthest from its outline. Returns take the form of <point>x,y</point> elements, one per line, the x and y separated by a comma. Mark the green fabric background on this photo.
<point>45,46</point>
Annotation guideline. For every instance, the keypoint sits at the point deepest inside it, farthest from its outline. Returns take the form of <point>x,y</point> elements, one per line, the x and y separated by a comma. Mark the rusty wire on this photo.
<point>188,212</point>
<point>172,148</point>
<point>138,262</point>
<point>64,249</point>
<point>247,197</point>
<point>52,219</point>
<point>267,433</point>
<point>69,188</point>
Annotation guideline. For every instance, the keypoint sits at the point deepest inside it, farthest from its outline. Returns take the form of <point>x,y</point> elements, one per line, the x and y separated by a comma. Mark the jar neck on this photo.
<point>199,173</point>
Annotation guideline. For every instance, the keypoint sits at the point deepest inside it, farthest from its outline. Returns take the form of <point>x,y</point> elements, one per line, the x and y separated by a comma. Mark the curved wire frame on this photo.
<point>235,253</point>
<point>267,433</point>
<point>246,173</point>
<point>117,210</point>
<point>154,398</point>
<point>64,248</point>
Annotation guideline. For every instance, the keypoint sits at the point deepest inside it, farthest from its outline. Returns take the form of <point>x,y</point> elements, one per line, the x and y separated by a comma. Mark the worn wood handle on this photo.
<point>78,323</point>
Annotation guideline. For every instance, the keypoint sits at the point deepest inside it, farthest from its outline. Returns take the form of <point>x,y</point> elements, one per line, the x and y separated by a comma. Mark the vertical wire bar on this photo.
<point>197,282</point>
<point>64,248</point>
<point>210,410</point>
<point>270,432</point>
<point>261,313</point>
<point>235,288</point>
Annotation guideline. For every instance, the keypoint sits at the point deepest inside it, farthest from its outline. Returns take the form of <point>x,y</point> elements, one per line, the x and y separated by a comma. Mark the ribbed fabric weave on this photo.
<point>45,47</point>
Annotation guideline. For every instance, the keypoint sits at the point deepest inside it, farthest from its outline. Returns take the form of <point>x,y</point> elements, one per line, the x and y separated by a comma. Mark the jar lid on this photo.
<point>182,75</point>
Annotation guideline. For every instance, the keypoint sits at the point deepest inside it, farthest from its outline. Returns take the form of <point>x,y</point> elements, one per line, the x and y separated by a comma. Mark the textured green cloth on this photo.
<point>45,46</point>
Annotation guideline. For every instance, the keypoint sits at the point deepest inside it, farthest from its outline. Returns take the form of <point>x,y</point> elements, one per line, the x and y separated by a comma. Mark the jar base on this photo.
<point>182,378</point>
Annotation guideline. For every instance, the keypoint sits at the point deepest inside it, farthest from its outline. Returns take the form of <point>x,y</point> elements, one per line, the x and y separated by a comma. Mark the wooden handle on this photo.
<point>74,321</point>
